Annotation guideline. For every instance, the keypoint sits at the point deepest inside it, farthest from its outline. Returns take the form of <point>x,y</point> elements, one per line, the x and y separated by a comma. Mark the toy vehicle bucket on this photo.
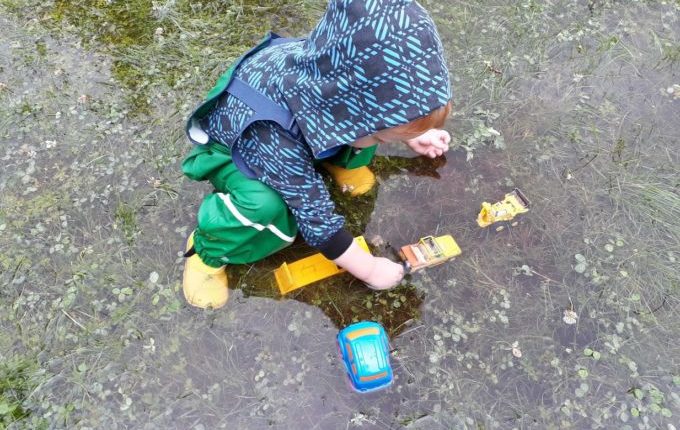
<point>521,197</point>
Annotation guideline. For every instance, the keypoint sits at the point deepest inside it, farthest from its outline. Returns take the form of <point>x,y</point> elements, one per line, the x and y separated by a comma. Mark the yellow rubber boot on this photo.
<point>204,286</point>
<point>354,181</point>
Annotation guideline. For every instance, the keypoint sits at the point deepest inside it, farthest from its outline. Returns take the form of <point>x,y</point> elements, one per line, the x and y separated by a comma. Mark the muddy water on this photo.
<point>516,333</point>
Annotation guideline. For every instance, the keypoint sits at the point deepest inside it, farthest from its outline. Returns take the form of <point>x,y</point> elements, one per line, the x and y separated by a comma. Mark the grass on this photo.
<point>158,43</point>
<point>125,216</point>
<point>671,53</point>
<point>654,204</point>
<point>19,378</point>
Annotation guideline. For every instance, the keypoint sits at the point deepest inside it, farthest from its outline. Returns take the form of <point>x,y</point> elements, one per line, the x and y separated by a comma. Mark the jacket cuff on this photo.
<point>336,245</point>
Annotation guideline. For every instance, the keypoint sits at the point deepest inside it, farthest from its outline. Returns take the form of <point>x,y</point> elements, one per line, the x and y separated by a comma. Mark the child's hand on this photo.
<point>377,272</point>
<point>432,143</point>
<point>386,274</point>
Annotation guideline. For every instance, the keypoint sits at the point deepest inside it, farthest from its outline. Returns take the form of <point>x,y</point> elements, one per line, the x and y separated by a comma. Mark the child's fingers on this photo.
<point>438,144</point>
<point>447,137</point>
<point>441,141</point>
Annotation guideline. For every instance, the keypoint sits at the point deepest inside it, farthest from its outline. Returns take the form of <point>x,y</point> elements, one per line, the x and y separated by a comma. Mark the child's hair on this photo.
<point>434,119</point>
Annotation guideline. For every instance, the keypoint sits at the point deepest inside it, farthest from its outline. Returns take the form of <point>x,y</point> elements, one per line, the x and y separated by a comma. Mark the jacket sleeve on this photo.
<point>287,166</point>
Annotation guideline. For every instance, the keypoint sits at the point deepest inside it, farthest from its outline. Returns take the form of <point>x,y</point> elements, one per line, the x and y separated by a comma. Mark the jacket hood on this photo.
<point>367,66</point>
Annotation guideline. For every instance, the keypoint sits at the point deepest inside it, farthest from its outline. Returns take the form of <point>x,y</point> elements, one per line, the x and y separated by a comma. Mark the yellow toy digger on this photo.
<point>514,203</point>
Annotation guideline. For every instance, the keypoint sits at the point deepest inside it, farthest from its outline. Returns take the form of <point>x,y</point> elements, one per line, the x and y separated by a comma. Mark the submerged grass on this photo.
<point>656,205</point>
<point>567,320</point>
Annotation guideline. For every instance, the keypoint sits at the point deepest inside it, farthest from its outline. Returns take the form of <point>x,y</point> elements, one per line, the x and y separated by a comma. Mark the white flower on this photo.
<point>515,350</point>
<point>569,317</point>
<point>377,240</point>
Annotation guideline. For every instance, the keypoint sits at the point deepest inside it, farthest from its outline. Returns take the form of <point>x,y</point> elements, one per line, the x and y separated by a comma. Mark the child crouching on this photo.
<point>370,72</point>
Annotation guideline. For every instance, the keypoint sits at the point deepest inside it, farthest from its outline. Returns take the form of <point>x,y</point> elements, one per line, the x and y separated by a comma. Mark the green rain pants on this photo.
<point>244,220</point>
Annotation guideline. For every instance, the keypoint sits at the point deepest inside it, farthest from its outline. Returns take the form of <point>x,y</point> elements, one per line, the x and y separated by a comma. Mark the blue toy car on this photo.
<point>365,353</point>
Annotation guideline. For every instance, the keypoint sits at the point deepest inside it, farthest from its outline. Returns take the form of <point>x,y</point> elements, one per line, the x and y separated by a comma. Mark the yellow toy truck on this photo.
<point>514,203</point>
<point>429,251</point>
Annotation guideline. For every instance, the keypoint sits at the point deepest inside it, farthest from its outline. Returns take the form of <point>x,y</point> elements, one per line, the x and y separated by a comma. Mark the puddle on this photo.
<point>566,320</point>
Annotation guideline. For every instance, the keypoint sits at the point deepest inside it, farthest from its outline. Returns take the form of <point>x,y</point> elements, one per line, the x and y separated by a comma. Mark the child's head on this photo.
<point>367,66</point>
<point>434,119</point>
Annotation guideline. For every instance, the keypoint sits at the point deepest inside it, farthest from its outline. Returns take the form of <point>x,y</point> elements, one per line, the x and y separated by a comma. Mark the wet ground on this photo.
<point>567,320</point>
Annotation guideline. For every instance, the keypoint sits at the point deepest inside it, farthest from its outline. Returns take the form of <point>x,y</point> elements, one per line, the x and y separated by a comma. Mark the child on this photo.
<point>370,72</point>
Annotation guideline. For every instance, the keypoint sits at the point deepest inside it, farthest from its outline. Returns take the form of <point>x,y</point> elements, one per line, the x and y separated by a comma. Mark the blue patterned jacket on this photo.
<point>367,66</point>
